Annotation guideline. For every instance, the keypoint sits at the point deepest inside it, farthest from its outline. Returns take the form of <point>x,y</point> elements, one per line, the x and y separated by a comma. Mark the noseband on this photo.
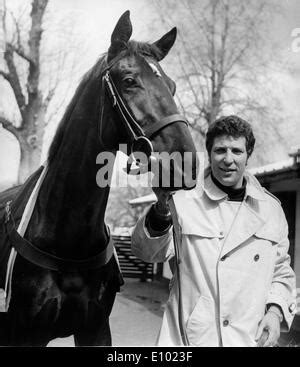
<point>139,137</point>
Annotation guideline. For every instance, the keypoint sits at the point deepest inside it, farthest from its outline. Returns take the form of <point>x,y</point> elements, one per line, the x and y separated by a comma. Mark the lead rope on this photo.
<point>177,247</point>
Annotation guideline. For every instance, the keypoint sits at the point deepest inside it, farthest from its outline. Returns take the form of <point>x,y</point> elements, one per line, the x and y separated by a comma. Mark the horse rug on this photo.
<point>12,205</point>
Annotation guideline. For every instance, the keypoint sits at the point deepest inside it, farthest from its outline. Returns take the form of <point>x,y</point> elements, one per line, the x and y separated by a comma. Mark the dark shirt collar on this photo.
<point>233,194</point>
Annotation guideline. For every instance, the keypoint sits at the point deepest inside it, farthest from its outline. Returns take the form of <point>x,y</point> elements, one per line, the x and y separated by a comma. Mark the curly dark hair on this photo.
<point>231,126</point>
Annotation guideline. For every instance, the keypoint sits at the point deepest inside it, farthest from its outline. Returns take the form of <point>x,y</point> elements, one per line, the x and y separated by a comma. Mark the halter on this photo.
<point>139,137</point>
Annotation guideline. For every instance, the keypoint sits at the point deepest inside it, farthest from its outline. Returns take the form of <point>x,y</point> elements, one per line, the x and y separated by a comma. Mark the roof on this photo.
<point>273,167</point>
<point>286,170</point>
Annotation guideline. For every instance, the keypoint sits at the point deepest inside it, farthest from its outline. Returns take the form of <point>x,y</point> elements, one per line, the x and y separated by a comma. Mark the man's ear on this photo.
<point>120,36</point>
<point>165,43</point>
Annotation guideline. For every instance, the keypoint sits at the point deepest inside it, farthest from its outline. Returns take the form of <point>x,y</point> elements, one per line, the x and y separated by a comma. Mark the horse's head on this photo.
<point>145,112</point>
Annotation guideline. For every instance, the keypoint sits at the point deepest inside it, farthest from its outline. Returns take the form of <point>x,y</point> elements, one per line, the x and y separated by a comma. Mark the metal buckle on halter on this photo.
<point>142,142</point>
<point>110,87</point>
<point>133,160</point>
<point>141,167</point>
<point>7,211</point>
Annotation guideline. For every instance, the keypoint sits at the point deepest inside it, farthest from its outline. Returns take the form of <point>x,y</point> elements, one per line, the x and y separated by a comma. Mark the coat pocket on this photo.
<point>195,221</point>
<point>194,228</point>
<point>201,323</point>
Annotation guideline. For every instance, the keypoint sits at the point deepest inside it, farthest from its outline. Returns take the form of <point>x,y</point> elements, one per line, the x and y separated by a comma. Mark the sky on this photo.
<point>95,19</point>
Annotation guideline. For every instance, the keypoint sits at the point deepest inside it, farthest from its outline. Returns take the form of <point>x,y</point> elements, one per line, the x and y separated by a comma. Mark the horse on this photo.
<point>125,98</point>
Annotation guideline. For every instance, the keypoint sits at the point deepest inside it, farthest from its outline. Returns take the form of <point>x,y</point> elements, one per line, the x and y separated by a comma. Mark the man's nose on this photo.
<point>228,159</point>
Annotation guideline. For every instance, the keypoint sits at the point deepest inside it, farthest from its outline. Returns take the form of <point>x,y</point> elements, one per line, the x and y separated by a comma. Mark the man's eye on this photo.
<point>237,151</point>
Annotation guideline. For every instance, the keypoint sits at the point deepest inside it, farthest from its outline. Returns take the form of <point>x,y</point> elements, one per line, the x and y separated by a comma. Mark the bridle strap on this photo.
<point>118,103</point>
<point>159,125</point>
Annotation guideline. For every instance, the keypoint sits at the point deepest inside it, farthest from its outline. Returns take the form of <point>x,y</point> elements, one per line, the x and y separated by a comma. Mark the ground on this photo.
<point>136,315</point>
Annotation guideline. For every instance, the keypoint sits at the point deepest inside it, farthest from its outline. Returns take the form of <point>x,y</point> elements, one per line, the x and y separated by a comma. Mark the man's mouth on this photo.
<point>227,169</point>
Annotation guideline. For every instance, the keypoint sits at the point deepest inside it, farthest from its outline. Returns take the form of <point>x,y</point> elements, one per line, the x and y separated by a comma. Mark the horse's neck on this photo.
<point>69,214</point>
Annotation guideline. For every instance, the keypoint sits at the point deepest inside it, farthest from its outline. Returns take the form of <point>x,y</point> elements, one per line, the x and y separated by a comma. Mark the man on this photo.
<point>237,286</point>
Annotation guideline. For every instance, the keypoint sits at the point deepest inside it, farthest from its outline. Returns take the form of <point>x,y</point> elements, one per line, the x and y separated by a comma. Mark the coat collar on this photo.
<point>253,188</point>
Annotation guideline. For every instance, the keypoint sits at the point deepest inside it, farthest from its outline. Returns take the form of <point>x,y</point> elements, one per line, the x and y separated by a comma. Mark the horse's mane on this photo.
<point>133,47</point>
<point>58,138</point>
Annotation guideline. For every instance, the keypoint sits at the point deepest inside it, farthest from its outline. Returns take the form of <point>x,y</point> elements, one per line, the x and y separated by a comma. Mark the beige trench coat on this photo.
<point>227,278</point>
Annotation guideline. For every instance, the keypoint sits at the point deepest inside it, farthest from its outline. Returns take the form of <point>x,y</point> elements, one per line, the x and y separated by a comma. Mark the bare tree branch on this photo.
<point>3,20</point>
<point>5,75</point>
<point>18,32</point>
<point>14,78</point>
<point>20,51</point>
<point>49,97</point>
<point>8,125</point>
<point>35,34</point>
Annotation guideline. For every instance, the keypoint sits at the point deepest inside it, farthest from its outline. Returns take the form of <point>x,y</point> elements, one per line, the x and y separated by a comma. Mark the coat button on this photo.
<point>225,323</point>
<point>221,233</point>
<point>292,307</point>
<point>256,257</point>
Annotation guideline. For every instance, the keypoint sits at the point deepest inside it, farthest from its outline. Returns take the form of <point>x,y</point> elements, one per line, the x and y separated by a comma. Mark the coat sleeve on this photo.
<point>151,249</point>
<point>283,287</point>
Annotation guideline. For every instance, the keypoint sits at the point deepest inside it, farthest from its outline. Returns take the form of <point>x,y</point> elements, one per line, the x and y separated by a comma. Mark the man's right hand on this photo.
<point>158,218</point>
<point>162,206</point>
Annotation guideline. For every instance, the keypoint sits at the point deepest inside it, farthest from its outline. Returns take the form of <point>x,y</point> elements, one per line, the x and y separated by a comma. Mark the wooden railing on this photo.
<point>131,266</point>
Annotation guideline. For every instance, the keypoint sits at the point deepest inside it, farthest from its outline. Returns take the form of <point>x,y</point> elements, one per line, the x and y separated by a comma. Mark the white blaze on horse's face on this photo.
<point>155,69</point>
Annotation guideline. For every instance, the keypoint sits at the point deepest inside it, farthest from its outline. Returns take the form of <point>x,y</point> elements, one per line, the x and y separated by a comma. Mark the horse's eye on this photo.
<point>129,82</point>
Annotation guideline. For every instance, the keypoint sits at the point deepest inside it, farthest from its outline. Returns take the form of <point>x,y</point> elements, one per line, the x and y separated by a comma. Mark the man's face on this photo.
<point>228,159</point>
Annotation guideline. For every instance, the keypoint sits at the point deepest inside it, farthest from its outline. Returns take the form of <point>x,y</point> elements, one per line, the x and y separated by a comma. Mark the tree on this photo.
<point>222,55</point>
<point>33,74</point>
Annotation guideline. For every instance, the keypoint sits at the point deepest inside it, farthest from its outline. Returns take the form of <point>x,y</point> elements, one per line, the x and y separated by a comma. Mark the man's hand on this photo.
<point>159,218</point>
<point>268,330</point>
<point>163,196</point>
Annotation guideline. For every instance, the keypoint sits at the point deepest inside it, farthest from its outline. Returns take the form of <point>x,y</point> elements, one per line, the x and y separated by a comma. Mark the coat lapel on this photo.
<point>246,224</point>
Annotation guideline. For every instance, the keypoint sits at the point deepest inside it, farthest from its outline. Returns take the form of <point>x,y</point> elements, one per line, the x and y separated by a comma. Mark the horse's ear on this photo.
<point>165,44</point>
<point>120,35</point>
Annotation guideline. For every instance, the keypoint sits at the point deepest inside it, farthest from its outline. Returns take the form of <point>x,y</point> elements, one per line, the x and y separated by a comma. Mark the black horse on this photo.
<point>124,96</point>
